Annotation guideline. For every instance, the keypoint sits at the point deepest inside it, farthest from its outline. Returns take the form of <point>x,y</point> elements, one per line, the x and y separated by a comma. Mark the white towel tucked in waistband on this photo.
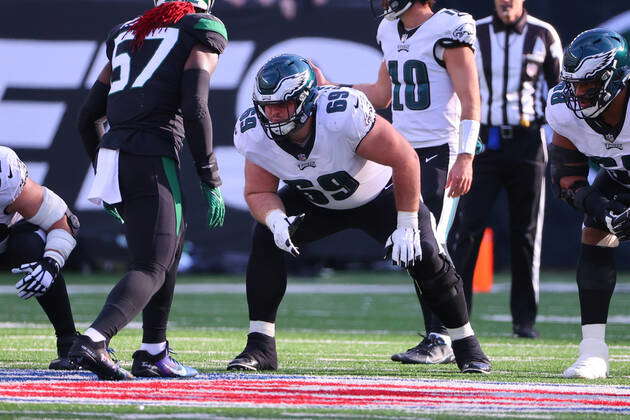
<point>105,187</point>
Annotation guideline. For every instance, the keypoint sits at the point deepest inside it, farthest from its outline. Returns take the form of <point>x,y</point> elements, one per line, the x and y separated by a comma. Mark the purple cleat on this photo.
<point>161,365</point>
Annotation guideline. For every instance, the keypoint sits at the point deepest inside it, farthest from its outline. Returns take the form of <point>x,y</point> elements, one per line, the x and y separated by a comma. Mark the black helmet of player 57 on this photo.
<point>204,5</point>
<point>283,79</point>
<point>597,57</point>
<point>390,9</point>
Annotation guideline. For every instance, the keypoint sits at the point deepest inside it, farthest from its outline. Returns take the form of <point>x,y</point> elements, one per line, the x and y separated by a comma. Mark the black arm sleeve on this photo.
<point>198,125</point>
<point>95,107</point>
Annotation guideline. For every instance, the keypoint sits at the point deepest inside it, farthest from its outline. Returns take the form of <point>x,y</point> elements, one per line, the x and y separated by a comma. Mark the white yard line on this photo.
<point>316,288</point>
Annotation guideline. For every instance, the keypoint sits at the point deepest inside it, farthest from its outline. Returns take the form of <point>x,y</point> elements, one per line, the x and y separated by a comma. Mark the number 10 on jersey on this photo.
<point>417,95</point>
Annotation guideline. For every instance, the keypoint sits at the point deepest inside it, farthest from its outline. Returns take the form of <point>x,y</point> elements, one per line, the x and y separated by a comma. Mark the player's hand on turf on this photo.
<point>112,210</point>
<point>40,275</point>
<point>460,176</point>
<point>403,245</point>
<point>216,205</point>
<point>282,227</point>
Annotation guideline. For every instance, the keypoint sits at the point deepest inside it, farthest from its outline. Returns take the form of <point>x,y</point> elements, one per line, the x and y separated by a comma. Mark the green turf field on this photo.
<point>324,334</point>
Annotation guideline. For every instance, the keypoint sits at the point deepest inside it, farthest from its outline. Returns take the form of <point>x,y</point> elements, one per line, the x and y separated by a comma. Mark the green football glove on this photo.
<point>216,206</point>
<point>112,210</point>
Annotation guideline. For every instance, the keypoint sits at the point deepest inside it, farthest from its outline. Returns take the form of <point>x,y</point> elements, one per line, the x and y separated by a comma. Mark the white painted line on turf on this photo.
<point>317,288</point>
<point>555,319</point>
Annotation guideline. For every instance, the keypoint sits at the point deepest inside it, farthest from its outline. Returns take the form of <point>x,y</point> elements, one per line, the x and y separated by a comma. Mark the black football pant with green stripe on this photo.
<point>153,211</point>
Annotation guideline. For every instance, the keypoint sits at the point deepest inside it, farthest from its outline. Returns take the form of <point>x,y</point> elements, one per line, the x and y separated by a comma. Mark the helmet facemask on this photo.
<point>390,9</point>
<point>596,99</point>
<point>287,80</point>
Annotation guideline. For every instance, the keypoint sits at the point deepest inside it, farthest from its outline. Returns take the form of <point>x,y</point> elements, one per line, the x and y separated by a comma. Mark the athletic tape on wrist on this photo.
<point>468,135</point>
<point>59,245</point>
<point>407,219</point>
<point>51,210</point>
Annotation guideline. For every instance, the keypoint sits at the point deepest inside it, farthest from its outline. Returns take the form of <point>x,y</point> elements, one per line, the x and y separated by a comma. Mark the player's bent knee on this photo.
<point>436,278</point>
<point>596,268</point>
<point>598,237</point>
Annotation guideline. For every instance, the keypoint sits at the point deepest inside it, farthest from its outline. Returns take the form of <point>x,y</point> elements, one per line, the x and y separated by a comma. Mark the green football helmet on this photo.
<point>204,5</point>
<point>285,78</point>
<point>597,56</point>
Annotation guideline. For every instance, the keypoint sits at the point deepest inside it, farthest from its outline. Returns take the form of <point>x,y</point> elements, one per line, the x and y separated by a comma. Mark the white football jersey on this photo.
<point>13,174</point>
<point>610,153</point>
<point>327,169</point>
<point>425,108</point>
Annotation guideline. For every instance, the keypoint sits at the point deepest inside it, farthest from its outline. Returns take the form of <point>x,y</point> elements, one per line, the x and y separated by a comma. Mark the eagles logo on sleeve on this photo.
<point>465,33</point>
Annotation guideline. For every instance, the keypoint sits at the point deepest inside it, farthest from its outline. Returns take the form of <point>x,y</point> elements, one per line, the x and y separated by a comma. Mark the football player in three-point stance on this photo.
<point>429,77</point>
<point>154,92</point>
<point>37,234</point>
<point>590,117</point>
<point>337,158</point>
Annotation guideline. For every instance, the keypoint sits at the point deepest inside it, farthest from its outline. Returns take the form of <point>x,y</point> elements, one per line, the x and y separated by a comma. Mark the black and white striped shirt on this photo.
<point>516,65</point>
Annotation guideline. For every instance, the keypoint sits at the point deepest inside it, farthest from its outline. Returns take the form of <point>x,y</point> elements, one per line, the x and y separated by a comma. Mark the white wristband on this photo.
<point>273,217</point>
<point>468,135</point>
<point>407,219</point>
<point>59,245</point>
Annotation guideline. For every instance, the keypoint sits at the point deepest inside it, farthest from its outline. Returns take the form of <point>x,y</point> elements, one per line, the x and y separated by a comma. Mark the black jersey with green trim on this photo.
<point>143,106</point>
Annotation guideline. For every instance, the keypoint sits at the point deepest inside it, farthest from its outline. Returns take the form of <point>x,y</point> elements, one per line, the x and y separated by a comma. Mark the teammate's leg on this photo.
<point>435,277</point>
<point>25,245</point>
<point>266,278</point>
<point>596,278</point>
<point>472,216</point>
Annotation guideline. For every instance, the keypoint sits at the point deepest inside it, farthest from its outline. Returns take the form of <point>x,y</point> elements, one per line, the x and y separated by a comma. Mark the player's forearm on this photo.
<point>198,125</point>
<point>406,178</point>
<point>94,108</point>
<point>378,95</point>
<point>261,203</point>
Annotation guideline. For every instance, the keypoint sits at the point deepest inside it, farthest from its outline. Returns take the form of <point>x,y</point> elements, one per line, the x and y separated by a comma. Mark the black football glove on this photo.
<point>40,275</point>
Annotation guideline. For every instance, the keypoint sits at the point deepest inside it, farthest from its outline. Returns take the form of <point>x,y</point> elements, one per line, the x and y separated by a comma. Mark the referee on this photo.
<point>518,59</point>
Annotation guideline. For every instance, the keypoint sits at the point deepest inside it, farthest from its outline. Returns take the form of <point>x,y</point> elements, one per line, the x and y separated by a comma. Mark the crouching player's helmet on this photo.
<point>392,9</point>
<point>203,5</point>
<point>598,59</point>
<point>284,79</point>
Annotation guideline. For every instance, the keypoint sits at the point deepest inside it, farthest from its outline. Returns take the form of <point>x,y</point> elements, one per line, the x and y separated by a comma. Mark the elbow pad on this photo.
<point>52,209</point>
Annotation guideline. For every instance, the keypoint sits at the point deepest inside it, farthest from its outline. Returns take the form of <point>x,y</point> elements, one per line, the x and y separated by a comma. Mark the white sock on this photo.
<point>262,327</point>
<point>461,332</point>
<point>595,331</point>
<point>444,337</point>
<point>94,335</point>
<point>153,348</point>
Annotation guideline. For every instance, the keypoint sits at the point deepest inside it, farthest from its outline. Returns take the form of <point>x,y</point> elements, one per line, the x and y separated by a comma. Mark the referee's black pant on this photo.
<point>518,166</point>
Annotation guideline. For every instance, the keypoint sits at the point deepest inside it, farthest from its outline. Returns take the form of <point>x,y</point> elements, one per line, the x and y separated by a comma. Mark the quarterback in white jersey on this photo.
<point>429,77</point>
<point>37,235</point>
<point>337,158</point>
<point>590,118</point>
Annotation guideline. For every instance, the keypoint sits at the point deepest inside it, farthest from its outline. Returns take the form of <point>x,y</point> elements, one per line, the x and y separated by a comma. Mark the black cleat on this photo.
<point>431,350</point>
<point>259,354</point>
<point>62,362</point>
<point>469,356</point>
<point>96,358</point>
<point>161,365</point>
<point>524,331</point>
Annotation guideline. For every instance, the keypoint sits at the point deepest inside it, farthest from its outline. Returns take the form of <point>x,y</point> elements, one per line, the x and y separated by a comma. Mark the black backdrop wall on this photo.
<point>51,52</point>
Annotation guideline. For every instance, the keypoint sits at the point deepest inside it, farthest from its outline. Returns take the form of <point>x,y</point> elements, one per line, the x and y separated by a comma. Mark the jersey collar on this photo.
<point>299,152</point>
